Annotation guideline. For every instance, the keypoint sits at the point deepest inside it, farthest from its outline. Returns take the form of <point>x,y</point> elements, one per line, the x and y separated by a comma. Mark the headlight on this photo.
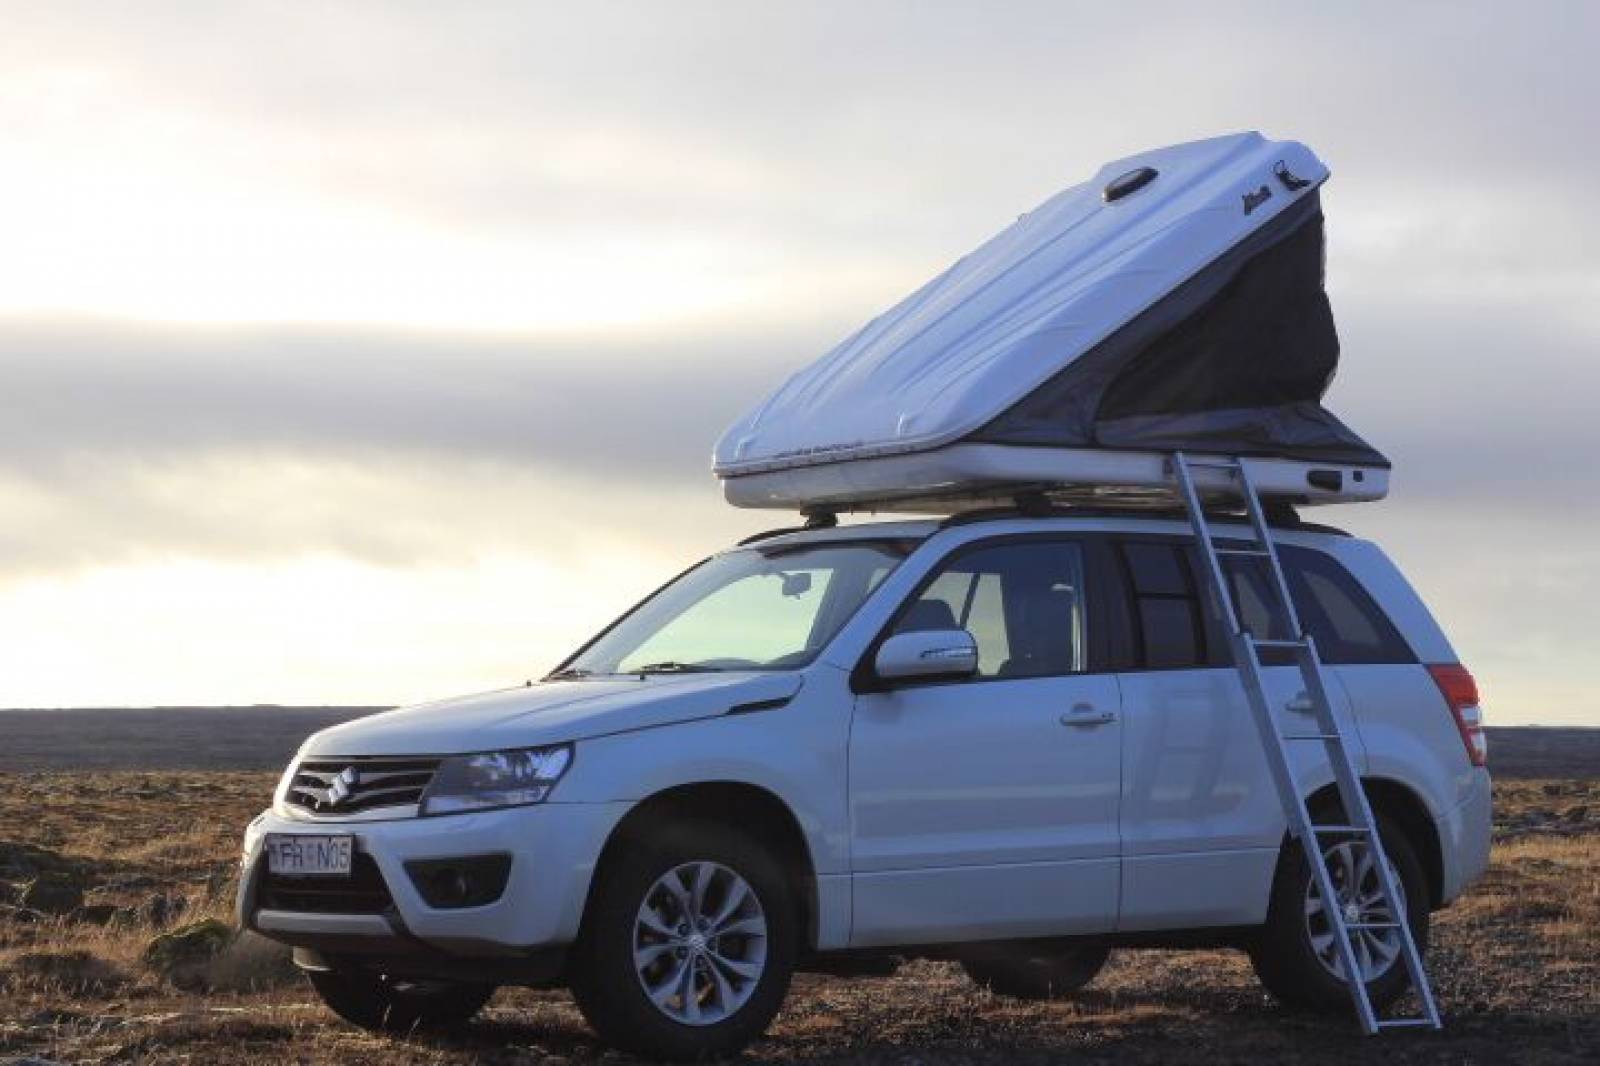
<point>496,779</point>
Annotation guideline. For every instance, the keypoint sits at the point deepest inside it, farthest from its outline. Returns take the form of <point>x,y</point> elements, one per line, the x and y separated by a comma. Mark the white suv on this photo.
<point>1016,742</point>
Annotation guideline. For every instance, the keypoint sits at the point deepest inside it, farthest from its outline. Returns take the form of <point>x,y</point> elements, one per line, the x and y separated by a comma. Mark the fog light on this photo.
<point>450,884</point>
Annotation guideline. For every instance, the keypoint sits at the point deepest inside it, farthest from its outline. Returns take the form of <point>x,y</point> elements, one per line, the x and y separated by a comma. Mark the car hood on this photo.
<point>550,712</point>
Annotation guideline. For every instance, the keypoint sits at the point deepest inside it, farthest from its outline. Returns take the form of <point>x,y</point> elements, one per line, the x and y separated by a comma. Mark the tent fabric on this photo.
<point>1184,310</point>
<point>1235,361</point>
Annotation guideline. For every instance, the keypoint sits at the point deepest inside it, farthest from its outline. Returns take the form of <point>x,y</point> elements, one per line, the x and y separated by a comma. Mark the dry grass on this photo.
<point>1517,964</point>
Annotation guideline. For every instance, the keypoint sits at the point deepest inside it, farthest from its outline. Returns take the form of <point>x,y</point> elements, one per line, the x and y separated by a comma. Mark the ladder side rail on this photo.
<point>1347,777</point>
<point>1295,811</point>
<point>1358,812</point>
<point>1258,521</point>
<point>1301,825</point>
<point>1202,535</point>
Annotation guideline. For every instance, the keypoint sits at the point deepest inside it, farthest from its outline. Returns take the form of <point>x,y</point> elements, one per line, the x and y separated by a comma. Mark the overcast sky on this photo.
<point>374,352</point>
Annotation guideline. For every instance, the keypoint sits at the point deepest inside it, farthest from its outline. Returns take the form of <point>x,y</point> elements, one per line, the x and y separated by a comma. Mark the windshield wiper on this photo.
<point>674,668</point>
<point>569,674</point>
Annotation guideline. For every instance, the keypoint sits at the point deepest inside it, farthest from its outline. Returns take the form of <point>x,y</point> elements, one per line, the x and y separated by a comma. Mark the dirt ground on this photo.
<point>1517,962</point>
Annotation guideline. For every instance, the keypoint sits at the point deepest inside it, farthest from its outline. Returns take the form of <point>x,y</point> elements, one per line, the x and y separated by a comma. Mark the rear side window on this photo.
<point>1250,583</point>
<point>1168,624</point>
<point>1349,627</point>
<point>1172,617</point>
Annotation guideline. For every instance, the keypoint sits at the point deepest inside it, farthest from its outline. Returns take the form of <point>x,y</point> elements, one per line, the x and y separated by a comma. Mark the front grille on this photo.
<point>334,787</point>
<point>363,892</point>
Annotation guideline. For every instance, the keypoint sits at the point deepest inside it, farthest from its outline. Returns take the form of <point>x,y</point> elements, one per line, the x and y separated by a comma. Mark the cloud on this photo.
<point>1473,401</point>
<point>648,407</point>
<point>418,284</point>
<point>124,442</point>
<point>830,131</point>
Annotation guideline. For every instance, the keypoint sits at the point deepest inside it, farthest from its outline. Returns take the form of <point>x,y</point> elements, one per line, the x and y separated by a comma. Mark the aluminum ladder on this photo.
<point>1246,647</point>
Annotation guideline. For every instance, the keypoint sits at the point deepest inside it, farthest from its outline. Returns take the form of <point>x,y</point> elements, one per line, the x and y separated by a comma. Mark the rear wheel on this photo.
<point>393,1005</point>
<point>1020,974</point>
<point>1295,954</point>
<point>687,945</point>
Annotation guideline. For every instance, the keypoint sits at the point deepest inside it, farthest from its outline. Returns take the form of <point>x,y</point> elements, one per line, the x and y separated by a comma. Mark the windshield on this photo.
<point>755,609</point>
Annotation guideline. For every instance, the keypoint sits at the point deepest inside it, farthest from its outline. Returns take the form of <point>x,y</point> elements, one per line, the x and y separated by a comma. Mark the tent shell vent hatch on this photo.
<point>1173,302</point>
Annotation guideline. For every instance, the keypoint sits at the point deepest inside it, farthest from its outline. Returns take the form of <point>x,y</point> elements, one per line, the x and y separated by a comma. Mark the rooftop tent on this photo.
<point>1174,301</point>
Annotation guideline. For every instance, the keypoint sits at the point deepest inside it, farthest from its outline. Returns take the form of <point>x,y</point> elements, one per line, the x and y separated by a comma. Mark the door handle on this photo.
<point>1301,704</point>
<point>1084,714</point>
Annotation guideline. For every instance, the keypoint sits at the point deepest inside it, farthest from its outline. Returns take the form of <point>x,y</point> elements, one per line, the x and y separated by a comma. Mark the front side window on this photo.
<point>758,608</point>
<point>1022,602</point>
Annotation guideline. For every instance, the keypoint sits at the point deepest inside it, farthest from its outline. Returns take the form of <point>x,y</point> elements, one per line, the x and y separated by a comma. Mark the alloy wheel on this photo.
<point>1360,899</point>
<point>700,943</point>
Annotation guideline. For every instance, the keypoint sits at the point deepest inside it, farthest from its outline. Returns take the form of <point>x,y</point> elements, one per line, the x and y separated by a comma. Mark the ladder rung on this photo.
<point>1406,1023</point>
<point>1261,642</point>
<point>1260,553</point>
<point>1353,829</point>
<point>1213,464</point>
<point>1313,736</point>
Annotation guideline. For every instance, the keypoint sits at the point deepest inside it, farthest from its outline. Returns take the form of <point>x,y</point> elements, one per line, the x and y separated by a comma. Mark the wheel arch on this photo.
<point>1405,807</point>
<point>750,808</point>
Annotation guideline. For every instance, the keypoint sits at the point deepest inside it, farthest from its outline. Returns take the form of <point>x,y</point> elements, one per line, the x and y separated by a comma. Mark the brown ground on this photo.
<point>1517,962</point>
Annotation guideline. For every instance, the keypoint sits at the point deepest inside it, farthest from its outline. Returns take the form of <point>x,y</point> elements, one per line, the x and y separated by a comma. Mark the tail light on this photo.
<point>1461,693</point>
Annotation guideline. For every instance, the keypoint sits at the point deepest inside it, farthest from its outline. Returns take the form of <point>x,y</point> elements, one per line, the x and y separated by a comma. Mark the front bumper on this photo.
<point>553,847</point>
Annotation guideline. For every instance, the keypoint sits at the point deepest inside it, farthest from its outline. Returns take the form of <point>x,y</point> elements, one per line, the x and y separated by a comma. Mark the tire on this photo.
<point>1287,962</point>
<point>390,1005</point>
<point>716,993</point>
<point>1018,975</point>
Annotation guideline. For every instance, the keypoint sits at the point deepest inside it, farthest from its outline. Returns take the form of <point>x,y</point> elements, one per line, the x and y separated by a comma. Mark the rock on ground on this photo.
<point>184,955</point>
<point>54,892</point>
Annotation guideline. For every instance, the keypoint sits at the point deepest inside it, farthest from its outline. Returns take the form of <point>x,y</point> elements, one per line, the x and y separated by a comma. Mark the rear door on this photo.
<point>1201,820</point>
<point>1406,730</point>
<point>987,808</point>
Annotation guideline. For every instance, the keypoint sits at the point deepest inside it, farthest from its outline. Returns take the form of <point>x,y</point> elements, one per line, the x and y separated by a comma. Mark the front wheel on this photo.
<point>394,1005</point>
<point>1024,975</point>
<point>1295,955</point>
<point>687,945</point>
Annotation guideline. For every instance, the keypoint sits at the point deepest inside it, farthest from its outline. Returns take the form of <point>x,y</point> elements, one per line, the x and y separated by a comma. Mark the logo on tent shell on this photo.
<point>1253,200</point>
<point>1291,181</point>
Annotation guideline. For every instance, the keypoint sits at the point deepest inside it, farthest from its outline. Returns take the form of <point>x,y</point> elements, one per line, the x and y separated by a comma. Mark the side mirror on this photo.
<point>927,655</point>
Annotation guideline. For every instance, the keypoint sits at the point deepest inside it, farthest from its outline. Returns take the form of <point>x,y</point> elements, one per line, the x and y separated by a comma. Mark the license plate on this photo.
<point>308,855</point>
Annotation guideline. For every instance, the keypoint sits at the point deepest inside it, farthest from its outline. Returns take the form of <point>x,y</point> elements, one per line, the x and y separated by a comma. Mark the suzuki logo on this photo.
<point>340,787</point>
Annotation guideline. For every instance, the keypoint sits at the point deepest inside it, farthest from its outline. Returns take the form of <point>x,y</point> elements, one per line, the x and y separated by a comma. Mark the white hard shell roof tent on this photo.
<point>1174,301</point>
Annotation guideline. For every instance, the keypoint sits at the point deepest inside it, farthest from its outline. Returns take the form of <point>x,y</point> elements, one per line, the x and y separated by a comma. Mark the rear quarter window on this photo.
<point>1347,624</point>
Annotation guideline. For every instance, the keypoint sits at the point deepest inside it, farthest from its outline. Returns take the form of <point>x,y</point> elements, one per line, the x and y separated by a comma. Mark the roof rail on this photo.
<point>1280,514</point>
<point>768,534</point>
<point>814,520</point>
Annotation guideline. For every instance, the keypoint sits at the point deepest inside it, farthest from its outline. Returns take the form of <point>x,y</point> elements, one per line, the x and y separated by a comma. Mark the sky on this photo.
<point>373,352</point>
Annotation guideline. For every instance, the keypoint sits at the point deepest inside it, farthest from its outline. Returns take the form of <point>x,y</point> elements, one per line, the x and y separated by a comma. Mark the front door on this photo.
<point>986,808</point>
